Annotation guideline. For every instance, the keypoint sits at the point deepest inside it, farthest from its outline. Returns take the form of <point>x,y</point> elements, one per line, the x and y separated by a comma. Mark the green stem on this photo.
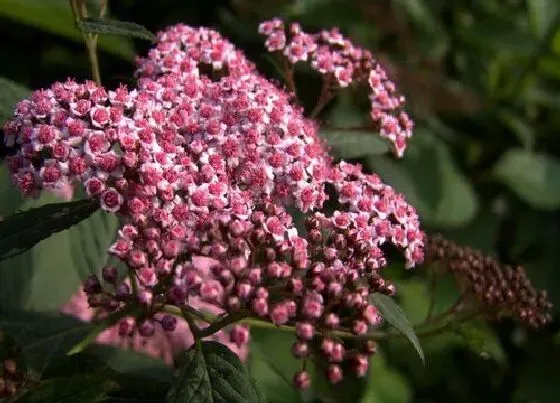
<point>79,11</point>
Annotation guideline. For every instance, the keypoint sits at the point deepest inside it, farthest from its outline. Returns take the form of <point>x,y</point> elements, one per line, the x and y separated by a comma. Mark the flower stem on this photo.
<point>79,10</point>
<point>324,98</point>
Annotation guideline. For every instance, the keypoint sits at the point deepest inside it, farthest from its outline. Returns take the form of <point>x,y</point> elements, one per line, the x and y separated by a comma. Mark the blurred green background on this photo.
<point>482,80</point>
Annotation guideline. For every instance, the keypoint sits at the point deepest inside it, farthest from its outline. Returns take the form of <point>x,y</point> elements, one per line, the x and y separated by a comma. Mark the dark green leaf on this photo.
<point>534,177</point>
<point>393,314</point>
<point>354,143</point>
<point>113,27</point>
<point>210,372</point>
<point>55,16</point>
<point>23,230</point>
<point>42,336</point>
<point>83,388</point>
<point>481,340</point>
<point>10,94</point>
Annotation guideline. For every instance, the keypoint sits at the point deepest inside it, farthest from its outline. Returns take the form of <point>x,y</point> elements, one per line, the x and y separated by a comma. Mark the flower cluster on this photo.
<point>202,161</point>
<point>341,63</point>
<point>12,375</point>
<point>162,336</point>
<point>501,289</point>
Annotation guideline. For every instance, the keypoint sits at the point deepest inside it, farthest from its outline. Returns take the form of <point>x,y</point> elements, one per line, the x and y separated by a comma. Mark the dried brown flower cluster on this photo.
<point>501,289</point>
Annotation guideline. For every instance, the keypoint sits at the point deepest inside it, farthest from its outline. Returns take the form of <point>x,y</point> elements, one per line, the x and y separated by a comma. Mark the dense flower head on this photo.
<point>342,63</point>
<point>500,289</point>
<point>183,49</point>
<point>203,161</point>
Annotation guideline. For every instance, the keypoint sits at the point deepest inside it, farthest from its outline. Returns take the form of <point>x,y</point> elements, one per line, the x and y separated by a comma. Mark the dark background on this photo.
<point>483,83</point>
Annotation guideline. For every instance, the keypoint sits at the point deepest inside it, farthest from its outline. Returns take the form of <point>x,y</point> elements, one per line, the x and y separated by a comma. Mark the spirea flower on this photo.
<point>342,63</point>
<point>202,162</point>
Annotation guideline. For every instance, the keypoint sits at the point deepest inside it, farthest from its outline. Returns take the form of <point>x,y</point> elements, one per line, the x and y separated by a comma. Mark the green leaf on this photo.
<point>55,16</point>
<point>481,340</point>
<point>83,388</point>
<point>354,143</point>
<point>23,230</point>
<point>393,314</point>
<point>212,373</point>
<point>347,142</point>
<point>10,94</point>
<point>385,384</point>
<point>113,27</point>
<point>42,336</point>
<point>27,281</point>
<point>541,13</point>
<point>272,368</point>
<point>534,177</point>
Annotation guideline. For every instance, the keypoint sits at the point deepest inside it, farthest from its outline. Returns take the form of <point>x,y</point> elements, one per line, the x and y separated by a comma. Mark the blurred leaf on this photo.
<point>393,314</point>
<point>541,14</point>
<point>23,230</point>
<point>414,299</point>
<point>10,94</point>
<point>212,372</point>
<point>11,197</point>
<point>524,132</point>
<point>429,178</point>
<point>537,379</point>
<point>385,384</point>
<point>42,336</point>
<point>534,177</point>
<point>272,366</point>
<point>348,144</point>
<point>104,26</point>
<point>55,16</point>
<point>495,33</point>
<point>83,388</point>
<point>482,340</point>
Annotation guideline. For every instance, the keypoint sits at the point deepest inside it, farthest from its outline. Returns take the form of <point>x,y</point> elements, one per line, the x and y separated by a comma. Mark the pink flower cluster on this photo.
<point>169,335</point>
<point>341,63</point>
<point>203,160</point>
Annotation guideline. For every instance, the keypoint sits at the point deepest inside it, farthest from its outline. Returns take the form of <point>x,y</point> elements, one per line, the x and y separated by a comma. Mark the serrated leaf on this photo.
<point>23,230</point>
<point>10,94</point>
<point>55,16</point>
<point>212,373</point>
<point>354,143</point>
<point>105,26</point>
<point>395,316</point>
<point>533,177</point>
